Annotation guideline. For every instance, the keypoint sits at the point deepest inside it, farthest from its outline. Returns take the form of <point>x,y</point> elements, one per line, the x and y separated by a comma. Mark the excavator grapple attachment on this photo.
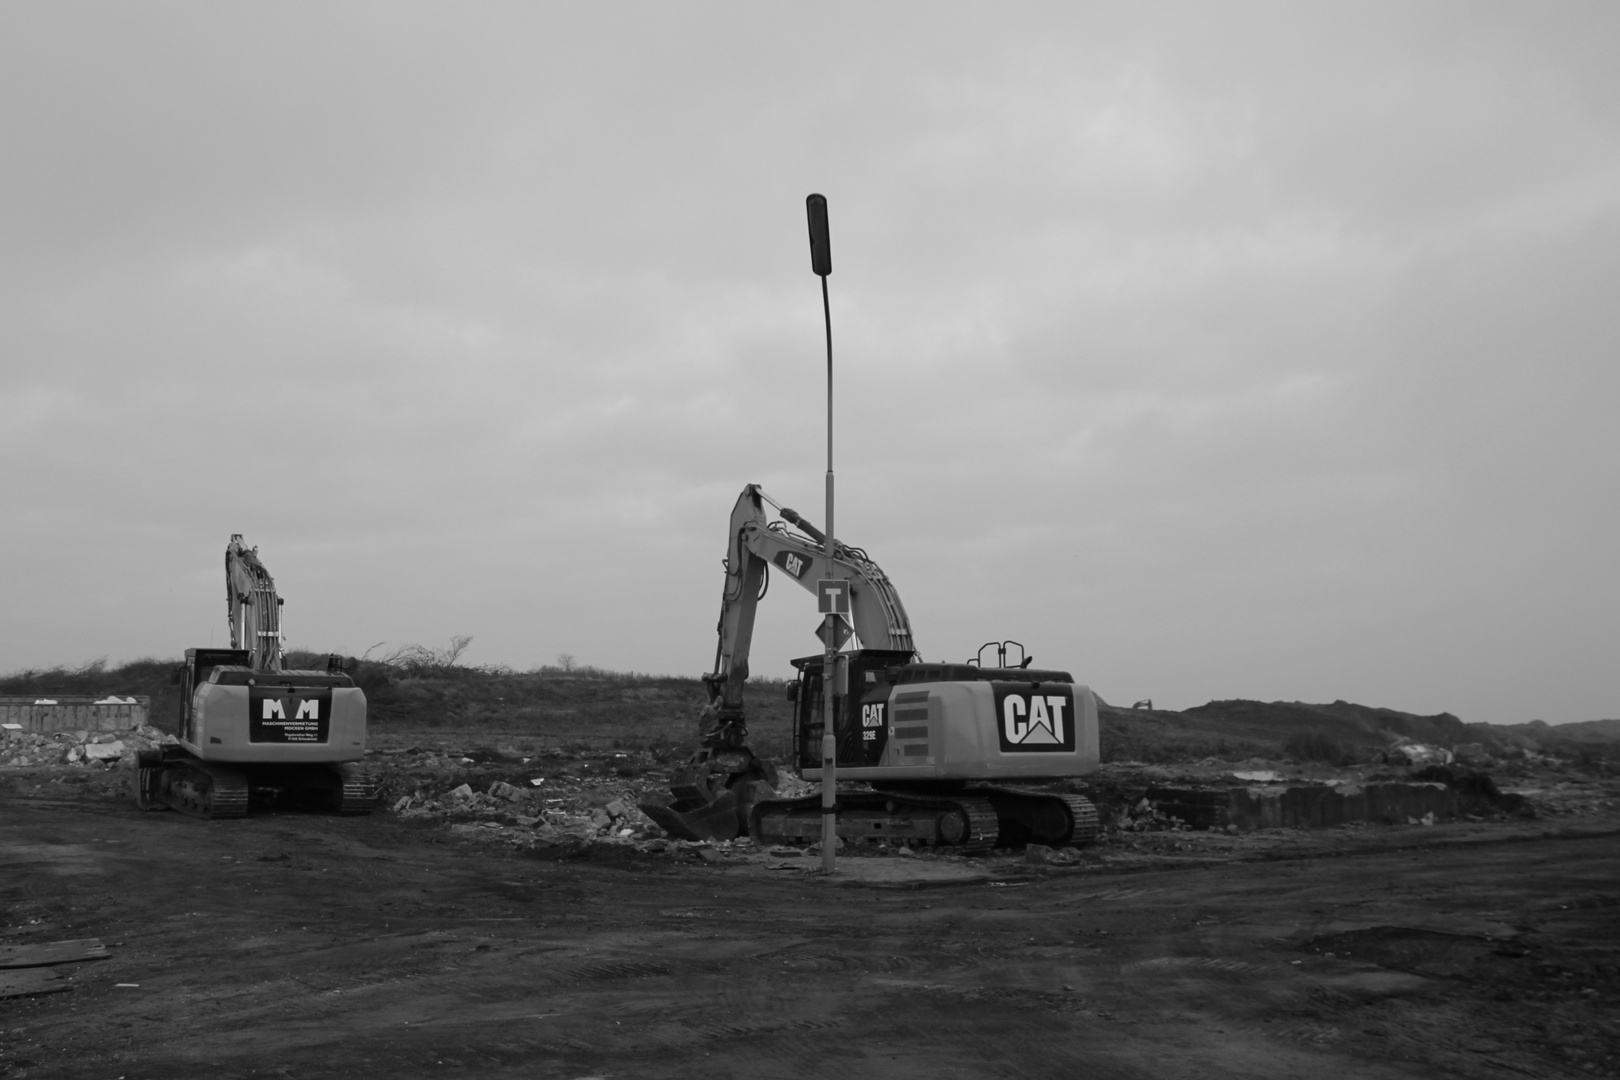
<point>712,795</point>
<point>685,819</point>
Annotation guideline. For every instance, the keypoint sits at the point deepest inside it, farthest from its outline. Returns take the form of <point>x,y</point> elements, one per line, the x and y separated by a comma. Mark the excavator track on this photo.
<point>963,824</point>
<point>205,789</point>
<point>197,788</point>
<point>1030,816</point>
<point>359,791</point>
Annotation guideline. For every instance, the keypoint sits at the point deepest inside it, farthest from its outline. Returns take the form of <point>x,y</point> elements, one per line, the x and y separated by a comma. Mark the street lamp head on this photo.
<point>815,208</point>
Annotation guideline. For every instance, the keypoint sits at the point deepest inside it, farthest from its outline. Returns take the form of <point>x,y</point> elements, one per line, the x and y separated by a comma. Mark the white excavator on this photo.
<point>956,755</point>
<point>252,730</point>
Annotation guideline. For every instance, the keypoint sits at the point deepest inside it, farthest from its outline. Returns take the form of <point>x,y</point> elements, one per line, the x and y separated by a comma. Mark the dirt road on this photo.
<point>301,946</point>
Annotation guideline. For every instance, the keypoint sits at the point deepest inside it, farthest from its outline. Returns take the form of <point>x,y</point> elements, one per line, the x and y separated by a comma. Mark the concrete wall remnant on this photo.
<point>74,712</point>
<point>1306,806</point>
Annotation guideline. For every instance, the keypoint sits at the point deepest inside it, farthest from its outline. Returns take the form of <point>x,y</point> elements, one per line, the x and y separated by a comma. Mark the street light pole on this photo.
<point>821,262</point>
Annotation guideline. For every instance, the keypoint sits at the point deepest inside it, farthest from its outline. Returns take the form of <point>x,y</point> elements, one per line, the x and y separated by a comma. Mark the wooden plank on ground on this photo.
<point>52,952</point>
<point>25,981</point>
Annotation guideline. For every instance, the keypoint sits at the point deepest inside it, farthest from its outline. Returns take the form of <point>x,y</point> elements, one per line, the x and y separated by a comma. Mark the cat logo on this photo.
<point>1035,719</point>
<point>793,563</point>
<point>872,715</point>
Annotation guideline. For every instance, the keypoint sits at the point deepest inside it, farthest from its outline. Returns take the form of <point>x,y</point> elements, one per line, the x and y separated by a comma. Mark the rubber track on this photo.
<point>1082,811</point>
<point>983,825</point>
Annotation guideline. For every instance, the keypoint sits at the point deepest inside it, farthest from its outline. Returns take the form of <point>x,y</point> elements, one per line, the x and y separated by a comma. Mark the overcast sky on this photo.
<point>1211,351</point>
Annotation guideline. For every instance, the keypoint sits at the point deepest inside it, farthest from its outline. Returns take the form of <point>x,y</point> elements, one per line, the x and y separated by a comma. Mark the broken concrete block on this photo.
<point>500,789</point>
<point>108,751</point>
<point>616,808</point>
<point>401,803</point>
<point>1036,854</point>
<point>465,791</point>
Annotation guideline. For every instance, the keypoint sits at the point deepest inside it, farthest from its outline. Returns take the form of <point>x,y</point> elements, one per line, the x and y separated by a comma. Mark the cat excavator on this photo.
<point>252,730</point>
<point>938,754</point>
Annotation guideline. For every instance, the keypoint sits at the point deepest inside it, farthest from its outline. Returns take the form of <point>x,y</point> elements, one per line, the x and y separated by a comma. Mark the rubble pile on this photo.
<point>1406,752</point>
<point>539,813</point>
<point>81,749</point>
<point>1146,816</point>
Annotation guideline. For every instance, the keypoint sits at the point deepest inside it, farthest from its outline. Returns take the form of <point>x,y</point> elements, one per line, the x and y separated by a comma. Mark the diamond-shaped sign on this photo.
<point>841,631</point>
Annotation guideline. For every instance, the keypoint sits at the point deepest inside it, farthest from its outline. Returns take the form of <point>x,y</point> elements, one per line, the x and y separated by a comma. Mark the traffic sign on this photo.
<point>832,596</point>
<point>841,632</point>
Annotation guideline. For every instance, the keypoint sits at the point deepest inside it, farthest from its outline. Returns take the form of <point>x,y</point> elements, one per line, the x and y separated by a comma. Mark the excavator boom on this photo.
<point>252,607</point>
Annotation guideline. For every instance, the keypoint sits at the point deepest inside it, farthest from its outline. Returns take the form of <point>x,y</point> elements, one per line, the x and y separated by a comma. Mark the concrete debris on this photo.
<point>1473,754</point>
<point>1146,816</point>
<point>80,748</point>
<point>525,818</point>
<point>1041,855</point>
<point>103,751</point>
<point>792,787</point>
<point>1417,754</point>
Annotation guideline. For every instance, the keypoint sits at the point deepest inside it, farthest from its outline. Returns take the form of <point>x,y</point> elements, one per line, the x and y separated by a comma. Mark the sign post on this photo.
<point>815,207</point>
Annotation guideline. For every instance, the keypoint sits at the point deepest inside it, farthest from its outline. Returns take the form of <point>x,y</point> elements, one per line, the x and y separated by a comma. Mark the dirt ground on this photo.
<point>288,945</point>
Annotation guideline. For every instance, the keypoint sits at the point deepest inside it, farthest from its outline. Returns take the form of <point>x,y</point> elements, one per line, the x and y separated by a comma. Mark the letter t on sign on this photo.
<point>832,596</point>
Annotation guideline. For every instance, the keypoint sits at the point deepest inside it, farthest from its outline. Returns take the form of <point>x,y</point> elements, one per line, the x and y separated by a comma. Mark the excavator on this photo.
<point>253,731</point>
<point>942,752</point>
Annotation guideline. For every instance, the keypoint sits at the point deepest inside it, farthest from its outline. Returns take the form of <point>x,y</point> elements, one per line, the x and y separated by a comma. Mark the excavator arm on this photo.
<point>756,544</point>
<point>253,609</point>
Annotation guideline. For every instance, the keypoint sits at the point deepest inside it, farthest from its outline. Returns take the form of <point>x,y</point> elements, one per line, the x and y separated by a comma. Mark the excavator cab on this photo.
<point>194,673</point>
<point>861,694</point>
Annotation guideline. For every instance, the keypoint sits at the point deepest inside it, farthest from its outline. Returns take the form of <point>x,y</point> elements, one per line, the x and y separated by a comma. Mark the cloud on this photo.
<point>1258,351</point>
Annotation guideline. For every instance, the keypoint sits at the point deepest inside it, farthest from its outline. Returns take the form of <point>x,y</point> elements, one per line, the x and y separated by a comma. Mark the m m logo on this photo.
<point>288,714</point>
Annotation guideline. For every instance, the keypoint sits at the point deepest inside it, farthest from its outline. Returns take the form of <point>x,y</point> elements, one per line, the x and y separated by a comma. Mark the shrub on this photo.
<point>1316,746</point>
